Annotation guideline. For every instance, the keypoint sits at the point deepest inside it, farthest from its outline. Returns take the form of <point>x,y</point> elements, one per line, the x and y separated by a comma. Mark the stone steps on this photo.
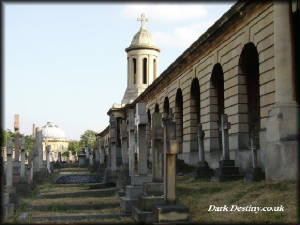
<point>79,194</point>
<point>62,207</point>
<point>69,217</point>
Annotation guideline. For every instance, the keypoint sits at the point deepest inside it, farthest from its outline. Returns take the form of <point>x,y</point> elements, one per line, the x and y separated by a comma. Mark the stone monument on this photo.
<point>170,210</point>
<point>226,170</point>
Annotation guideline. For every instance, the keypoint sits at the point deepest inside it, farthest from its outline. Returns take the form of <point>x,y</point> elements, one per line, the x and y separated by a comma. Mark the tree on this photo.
<point>8,134</point>
<point>74,147</point>
<point>29,141</point>
<point>88,138</point>
<point>5,135</point>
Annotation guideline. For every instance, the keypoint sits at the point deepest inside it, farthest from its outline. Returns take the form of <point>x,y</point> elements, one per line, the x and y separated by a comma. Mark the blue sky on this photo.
<point>66,63</point>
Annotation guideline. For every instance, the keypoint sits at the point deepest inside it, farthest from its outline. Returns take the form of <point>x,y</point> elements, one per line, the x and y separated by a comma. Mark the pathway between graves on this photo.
<point>76,197</point>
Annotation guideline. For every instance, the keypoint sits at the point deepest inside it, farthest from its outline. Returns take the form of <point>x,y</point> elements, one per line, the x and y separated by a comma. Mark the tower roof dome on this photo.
<point>143,38</point>
<point>52,131</point>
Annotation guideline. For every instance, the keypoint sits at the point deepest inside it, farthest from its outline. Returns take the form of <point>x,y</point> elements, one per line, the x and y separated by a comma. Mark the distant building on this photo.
<point>55,137</point>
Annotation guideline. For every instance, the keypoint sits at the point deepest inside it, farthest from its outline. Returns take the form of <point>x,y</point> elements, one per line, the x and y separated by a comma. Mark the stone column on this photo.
<point>131,140</point>
<point>16,127</point>
<point>225,126</point>
<point>22,170</point>
<point>157,148</point>
<point>171,148</point>
<point>48,149</point>
<point>9,166</point>
<point>282,134</point>
<point>141,121</point>
<point>113,142</point>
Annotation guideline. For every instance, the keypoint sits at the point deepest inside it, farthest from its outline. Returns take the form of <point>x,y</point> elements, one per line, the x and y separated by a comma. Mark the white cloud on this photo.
<point>182,36</point>
<point>165,12</point>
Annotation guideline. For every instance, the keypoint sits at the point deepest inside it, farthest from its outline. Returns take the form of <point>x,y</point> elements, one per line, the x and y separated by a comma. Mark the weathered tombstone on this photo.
<point>7,205</point>
<point>131,142</point>
<point>203,170</point>
<point>87,153</point>
<point>91,161</point>
<point>226,170</point>
<point>17,127</point>
<point>9,166</point>
<point>22,171</point>
<point>101,166</point>
<point>157,148</point>
<point>9,188</point>
<point>81,158</point>
<point>102,152</point>
<point>110,175</point>
<point>152,191</point>
<point>48,149</point>
<point>254,173</point>
<point>170,210</point>
<point>135,190</point>
<point>30,172</point>
<point>141,121</point>
<point>113,143</point>
<point>123,176</point>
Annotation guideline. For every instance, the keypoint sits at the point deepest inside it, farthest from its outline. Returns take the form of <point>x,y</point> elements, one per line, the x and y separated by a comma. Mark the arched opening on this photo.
<point>154,69</point>
<point>194,112</point>
<point>217,81</point>
<point>134,70</point>
<point>249,67</point>
<point>144,71</point>
<point>195,101</point>
<point>156,108</point>
<point>166,107</point>
<point>179,118</point>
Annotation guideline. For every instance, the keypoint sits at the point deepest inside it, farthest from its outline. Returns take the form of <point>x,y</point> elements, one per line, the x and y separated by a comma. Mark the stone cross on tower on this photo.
<point>143,19</point>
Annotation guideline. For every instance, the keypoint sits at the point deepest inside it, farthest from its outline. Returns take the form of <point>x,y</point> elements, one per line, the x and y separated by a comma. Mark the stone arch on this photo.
<point>194,112</point>
<point>217,98</point>
<point>249,67</point>
<point>179,117</point>
<point>195,101</point>
<point>166,107</point>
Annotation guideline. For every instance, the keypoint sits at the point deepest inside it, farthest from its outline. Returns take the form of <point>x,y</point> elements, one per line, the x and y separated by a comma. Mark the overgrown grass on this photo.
<point>198,195</point>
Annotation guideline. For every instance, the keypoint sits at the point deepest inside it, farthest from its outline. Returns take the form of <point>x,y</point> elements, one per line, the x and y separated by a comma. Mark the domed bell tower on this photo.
<point>142,61</point>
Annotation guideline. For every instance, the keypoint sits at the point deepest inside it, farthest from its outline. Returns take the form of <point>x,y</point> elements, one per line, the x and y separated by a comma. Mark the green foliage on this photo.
<point>8,134</point>
<point>5,135</point>
<point>88,138</point>
<point>29,141</point>
<point>66,154</point>
<point>74,147</point>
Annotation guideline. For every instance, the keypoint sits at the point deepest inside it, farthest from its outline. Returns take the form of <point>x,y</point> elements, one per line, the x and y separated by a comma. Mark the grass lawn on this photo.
<point>198,195</point>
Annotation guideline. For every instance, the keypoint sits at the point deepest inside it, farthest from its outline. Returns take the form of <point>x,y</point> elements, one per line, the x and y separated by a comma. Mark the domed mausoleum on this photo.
<point>56,138</point>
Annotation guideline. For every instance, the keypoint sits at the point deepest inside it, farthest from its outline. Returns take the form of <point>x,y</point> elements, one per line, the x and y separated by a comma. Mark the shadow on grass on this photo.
<point>80,194</point>
<point>73,207</point>
<point>206,190</point>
